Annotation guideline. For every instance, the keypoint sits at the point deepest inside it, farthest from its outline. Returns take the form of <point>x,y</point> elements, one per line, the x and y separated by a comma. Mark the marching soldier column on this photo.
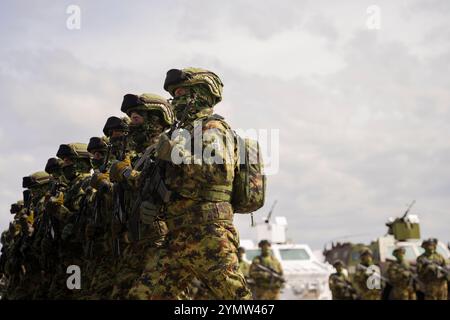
<point>137,223</point>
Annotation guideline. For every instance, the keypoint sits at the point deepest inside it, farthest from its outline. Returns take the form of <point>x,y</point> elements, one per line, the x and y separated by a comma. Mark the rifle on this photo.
<point>273,274</point>
<point>153,187</point>
<point>119,212</point>
<point>104,166</point>
<point>27,200</point>
<point>440,268</point>
<point>97,206</point>
<point>373,273</point>
<point>414,276</point>
<point>347,285</point>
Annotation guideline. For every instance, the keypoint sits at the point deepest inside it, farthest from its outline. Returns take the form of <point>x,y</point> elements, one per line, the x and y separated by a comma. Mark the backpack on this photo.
<point>249,184</point>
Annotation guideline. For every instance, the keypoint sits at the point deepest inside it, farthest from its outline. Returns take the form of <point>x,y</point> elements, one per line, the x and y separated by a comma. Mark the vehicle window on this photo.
<point>442,251</point>
<point>294,254</point>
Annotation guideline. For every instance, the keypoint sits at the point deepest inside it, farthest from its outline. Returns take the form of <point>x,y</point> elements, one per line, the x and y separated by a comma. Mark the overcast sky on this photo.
<point>363,114</point>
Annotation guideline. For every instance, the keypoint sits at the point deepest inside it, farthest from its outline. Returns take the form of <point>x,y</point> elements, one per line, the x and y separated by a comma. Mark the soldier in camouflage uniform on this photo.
<point>97,245</point>
<point>202,240</point>
<point>150,115</point>
<point>431,268</point>
<point>400,277</point>
<point>26,259</point>
<point>43,243</point>
<point>267,274</point>
<point>6,242</point>
<point>363,275</point>
<point>69,212</point>
<point>340,286</point>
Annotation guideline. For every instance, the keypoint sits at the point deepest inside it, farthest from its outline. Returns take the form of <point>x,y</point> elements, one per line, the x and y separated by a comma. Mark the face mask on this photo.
<point>142,135</point>
<point>187,106</point>
<point>69,172</point>
<point>265,251</point>
<point>367,260</point>
<point>38,192</point>
<point>97,163</point>
<point>430,250</point>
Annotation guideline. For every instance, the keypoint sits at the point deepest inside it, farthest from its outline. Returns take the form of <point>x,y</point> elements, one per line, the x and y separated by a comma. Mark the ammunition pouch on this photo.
<point>202,214</point>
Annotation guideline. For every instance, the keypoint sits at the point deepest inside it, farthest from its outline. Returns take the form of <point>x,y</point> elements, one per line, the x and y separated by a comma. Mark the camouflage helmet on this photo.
<point>338,263</point>
<point>263,242</point>
<point>148,102</point>
<point>53,164</point>
<point>115,123</point>
<point>74,150</point>
<point>97,143</point>
<point>36,179</point>
<point>365,251</point>
<point>429,241</point>
<point>398,250</point>
<point>191,77</point>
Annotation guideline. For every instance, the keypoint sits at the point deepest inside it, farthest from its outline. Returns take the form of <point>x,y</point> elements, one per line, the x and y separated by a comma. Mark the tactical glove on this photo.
<point>164,147</point>
<point>118,168</point>
<point>100,181</point>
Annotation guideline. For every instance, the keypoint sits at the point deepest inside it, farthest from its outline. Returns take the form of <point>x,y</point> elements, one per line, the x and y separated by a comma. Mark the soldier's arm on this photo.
<point>216,156</point>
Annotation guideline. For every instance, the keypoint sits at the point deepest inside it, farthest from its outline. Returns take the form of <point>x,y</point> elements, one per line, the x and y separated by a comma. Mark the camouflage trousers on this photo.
<point>436,290</point>
<point>401,293</point>
<point>368,294</point>
<point>207,252</point>
<point>21,287</point>
<point>136,258</point>
<point>101,275</point>
<point>59,290</point>
<point>266,294</point>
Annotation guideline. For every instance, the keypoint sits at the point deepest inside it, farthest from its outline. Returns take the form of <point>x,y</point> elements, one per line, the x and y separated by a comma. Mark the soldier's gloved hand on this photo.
<point>164,147</point>
<point>149,211</point>
<point>100,181</point>
<point>118,168</point>
<point>67,231</point>
<point>55,202</point>
<point>90,231</point>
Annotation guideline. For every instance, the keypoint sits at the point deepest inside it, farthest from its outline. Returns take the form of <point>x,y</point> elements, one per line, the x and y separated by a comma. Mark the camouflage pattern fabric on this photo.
<point>340,286</point>
<point>360,284</point>
<point>266,286</point>
<point>400,278</point>
<point>435,282</point>
<point>207,252</point>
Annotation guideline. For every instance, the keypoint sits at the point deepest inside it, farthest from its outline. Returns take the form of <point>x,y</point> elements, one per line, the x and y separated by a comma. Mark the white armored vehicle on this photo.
<point>306,275</point>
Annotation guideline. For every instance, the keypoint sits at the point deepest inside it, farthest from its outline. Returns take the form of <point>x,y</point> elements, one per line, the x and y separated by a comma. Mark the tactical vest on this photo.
<point>246,190</point>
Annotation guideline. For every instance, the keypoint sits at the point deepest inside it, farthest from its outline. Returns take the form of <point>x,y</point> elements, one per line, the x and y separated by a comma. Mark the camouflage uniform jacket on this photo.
<point>340,287</point>
<point>264,279</point>
<point>360,282</point>
<point>202,183</point>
